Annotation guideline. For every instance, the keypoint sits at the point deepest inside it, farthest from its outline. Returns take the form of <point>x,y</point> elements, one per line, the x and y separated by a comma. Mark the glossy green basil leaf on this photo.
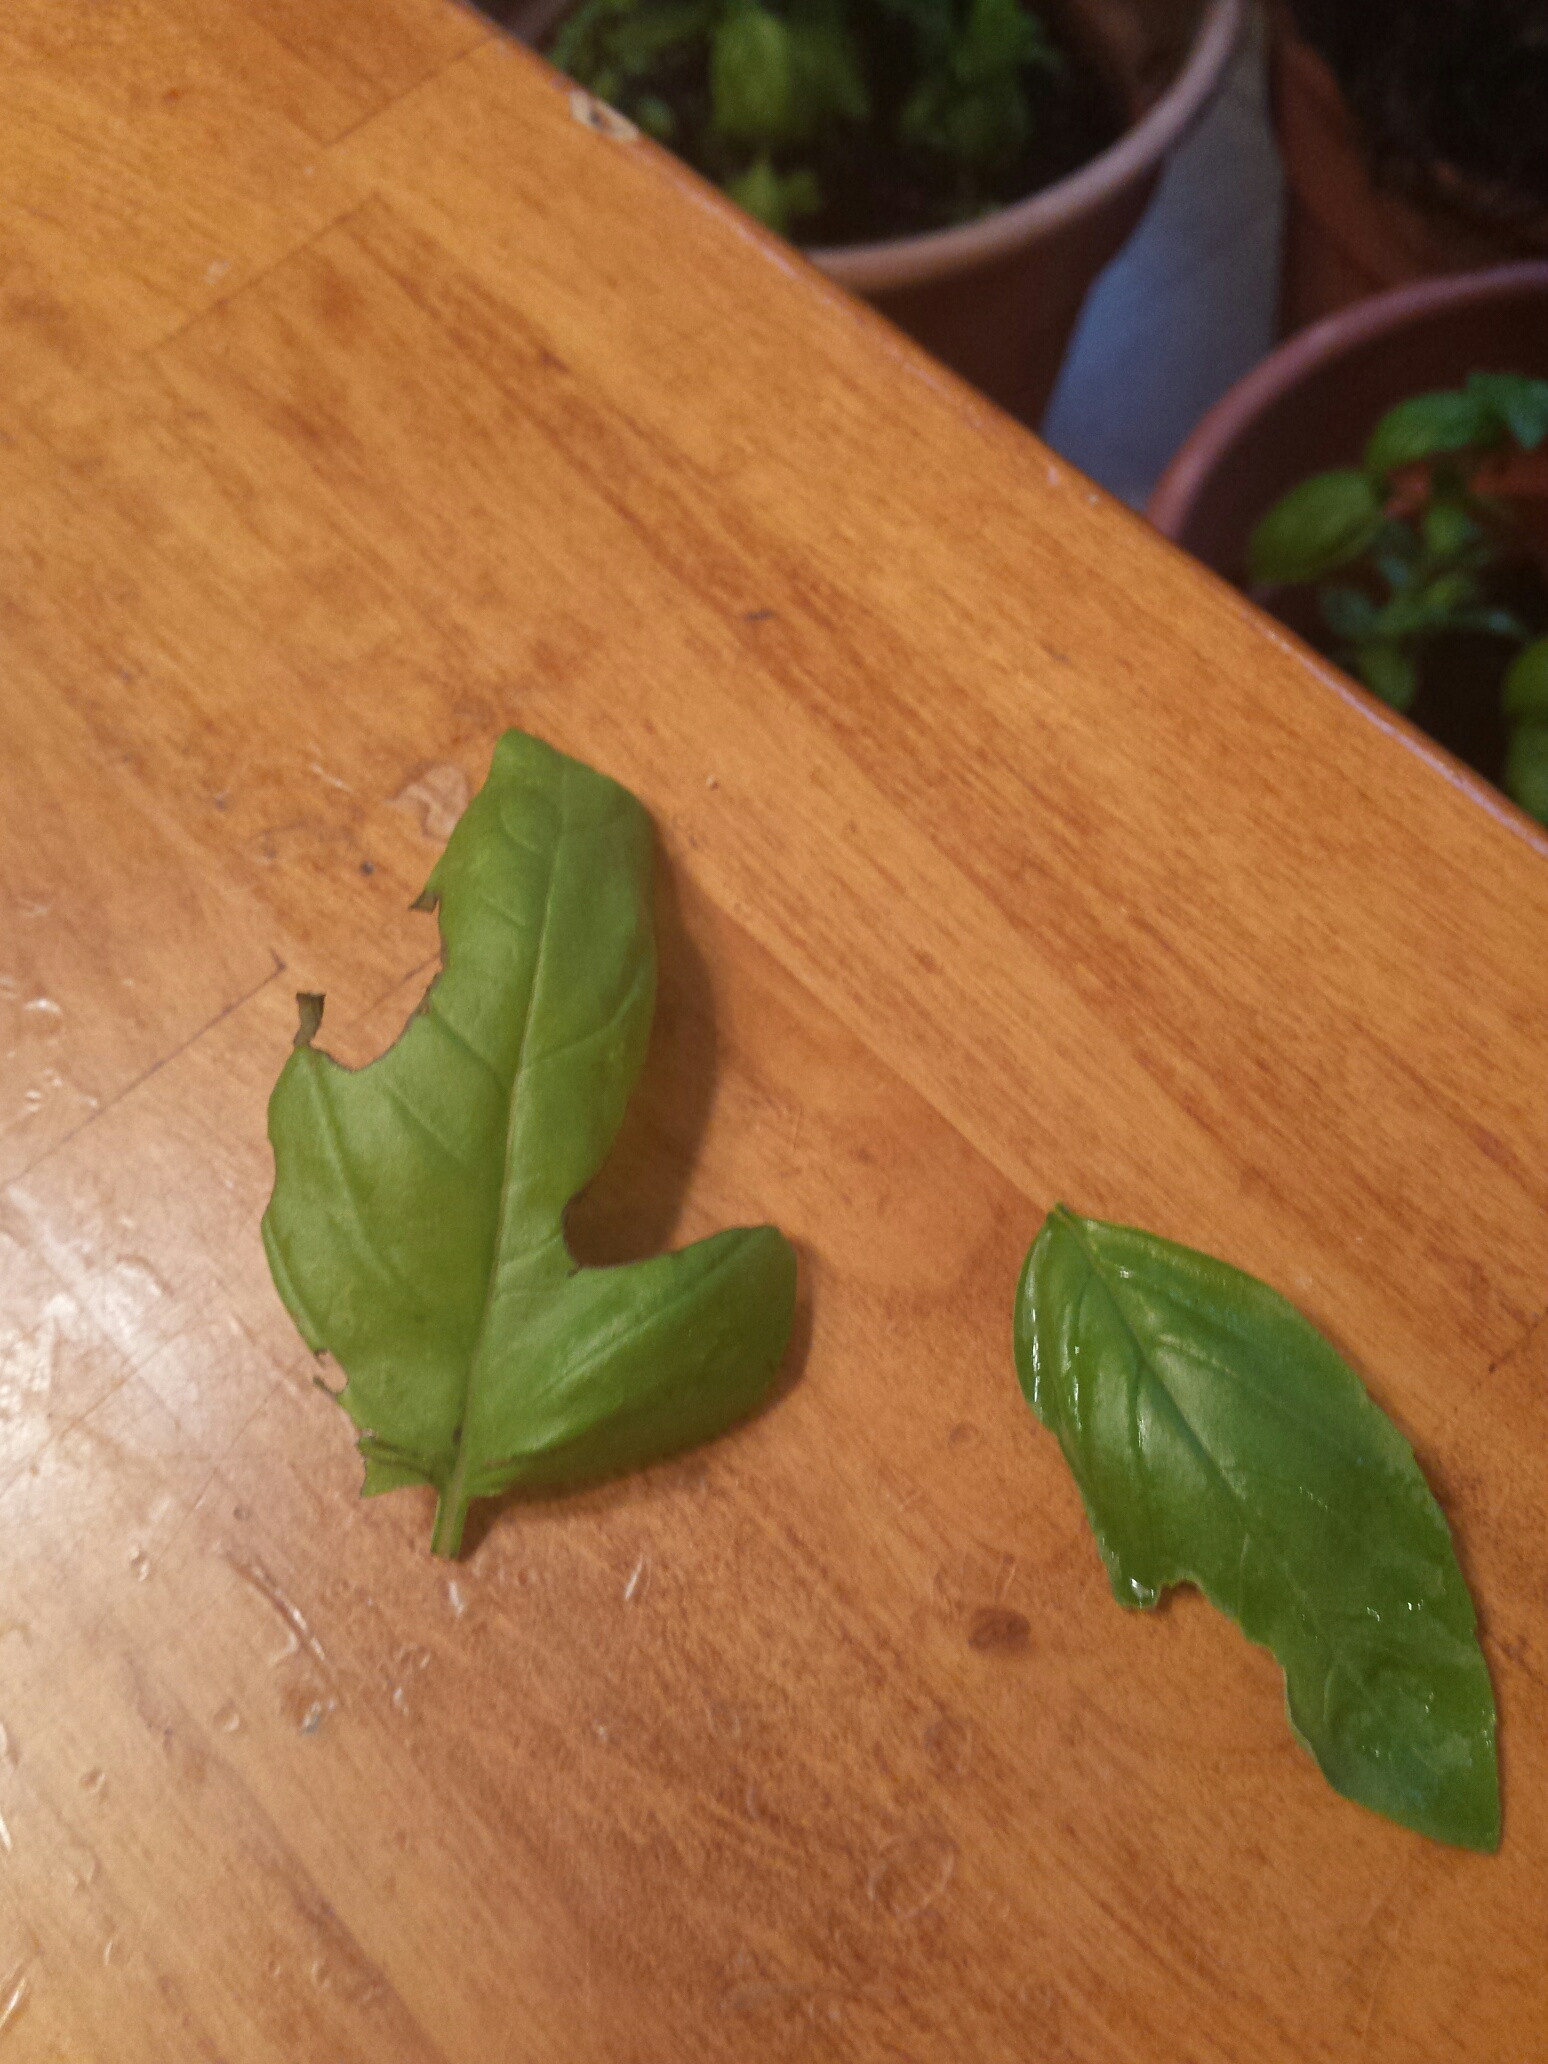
<point>416,1231</point>
<point>1318,526</point>
<point>1217,1439</point>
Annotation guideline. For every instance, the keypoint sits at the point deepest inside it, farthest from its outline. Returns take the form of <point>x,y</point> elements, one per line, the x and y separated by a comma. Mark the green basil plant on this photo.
<point>1418,528</point>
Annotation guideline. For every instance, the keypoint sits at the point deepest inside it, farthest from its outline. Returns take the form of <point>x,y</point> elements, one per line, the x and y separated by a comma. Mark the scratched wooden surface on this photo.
<point>358,401</point>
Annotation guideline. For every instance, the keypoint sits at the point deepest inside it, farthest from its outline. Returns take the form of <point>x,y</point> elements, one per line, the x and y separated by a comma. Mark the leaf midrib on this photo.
<point>1201,1447</point>
<point>454,1498</point>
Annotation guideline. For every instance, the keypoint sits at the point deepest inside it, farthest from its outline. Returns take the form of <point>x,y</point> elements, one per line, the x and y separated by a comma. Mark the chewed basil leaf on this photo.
<point>1218,1439</point>
<point>416,1229</point>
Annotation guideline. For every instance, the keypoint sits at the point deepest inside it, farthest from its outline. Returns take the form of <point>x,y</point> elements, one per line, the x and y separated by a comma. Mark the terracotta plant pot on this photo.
<point>1345,237</point>
<point>1312,403</point>
<point>998,299</point>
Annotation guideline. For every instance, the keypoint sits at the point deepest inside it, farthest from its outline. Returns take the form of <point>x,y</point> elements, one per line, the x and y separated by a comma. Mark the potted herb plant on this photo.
<point>967,165</point>
<point>1381,483</point>
<point>1415,140</point>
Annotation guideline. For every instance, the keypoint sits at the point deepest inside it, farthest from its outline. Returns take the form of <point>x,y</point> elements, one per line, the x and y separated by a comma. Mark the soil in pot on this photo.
<point>921,123</point>
<point>1452,101</point>
<point>1415,138</point>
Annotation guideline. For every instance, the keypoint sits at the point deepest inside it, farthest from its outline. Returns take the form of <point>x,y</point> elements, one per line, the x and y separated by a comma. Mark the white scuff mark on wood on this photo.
<point>253,1573</point>
<point>595,114</point>
<point>13,1997</point>
<point>439,796</point>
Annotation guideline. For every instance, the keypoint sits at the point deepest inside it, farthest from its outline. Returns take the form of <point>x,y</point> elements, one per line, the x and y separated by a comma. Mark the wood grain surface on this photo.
<point>359,398</point>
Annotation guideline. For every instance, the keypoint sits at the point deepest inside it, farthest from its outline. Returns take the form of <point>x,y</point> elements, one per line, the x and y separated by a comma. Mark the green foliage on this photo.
<point>1519,405</point>
<point>611,45</point>
<point>1526,703</point>
<point>1387,670</point>
<point>753,80</point>
<point>1217,1439</point>
<point>1318,527</point>
<point>970,103</point>
<point>1426,425</point>
<point>1490,408</point>
<point>1413,522</point>
<point>779,77</point>
<point>1526,683</point>
<point>416,1231</point>
<point>1526,767</point>
<point>777,199</point>
<point>773,82</point>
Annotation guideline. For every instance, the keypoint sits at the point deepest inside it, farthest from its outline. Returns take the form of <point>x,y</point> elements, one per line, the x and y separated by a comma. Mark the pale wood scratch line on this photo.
<point>145,1075</point>
<point>157,344</point>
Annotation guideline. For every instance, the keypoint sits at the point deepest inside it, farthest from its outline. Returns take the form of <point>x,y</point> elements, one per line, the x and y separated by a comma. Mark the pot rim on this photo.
<point>914,260</point>
<point>1320,344</point>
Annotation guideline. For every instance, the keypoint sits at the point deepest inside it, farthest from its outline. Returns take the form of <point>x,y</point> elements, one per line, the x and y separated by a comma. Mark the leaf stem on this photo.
<point>451,1514</point>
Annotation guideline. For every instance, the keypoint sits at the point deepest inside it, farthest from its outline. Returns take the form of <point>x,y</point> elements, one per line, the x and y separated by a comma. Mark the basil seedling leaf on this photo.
<point>1217,1439</point>
<point>1318,526</point>
<point>1428,425</point>
<point>754,90</point>
<point>1449,530</point>
<point>777,199</point>
<point>416,1229</point>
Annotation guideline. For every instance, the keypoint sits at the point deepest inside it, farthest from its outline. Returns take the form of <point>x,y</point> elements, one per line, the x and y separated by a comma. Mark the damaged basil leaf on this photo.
<point>1217,1439</point>
<point>416,1231</point>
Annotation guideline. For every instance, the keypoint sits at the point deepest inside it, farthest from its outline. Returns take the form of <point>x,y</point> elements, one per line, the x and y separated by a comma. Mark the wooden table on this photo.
<point>364,395</point>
